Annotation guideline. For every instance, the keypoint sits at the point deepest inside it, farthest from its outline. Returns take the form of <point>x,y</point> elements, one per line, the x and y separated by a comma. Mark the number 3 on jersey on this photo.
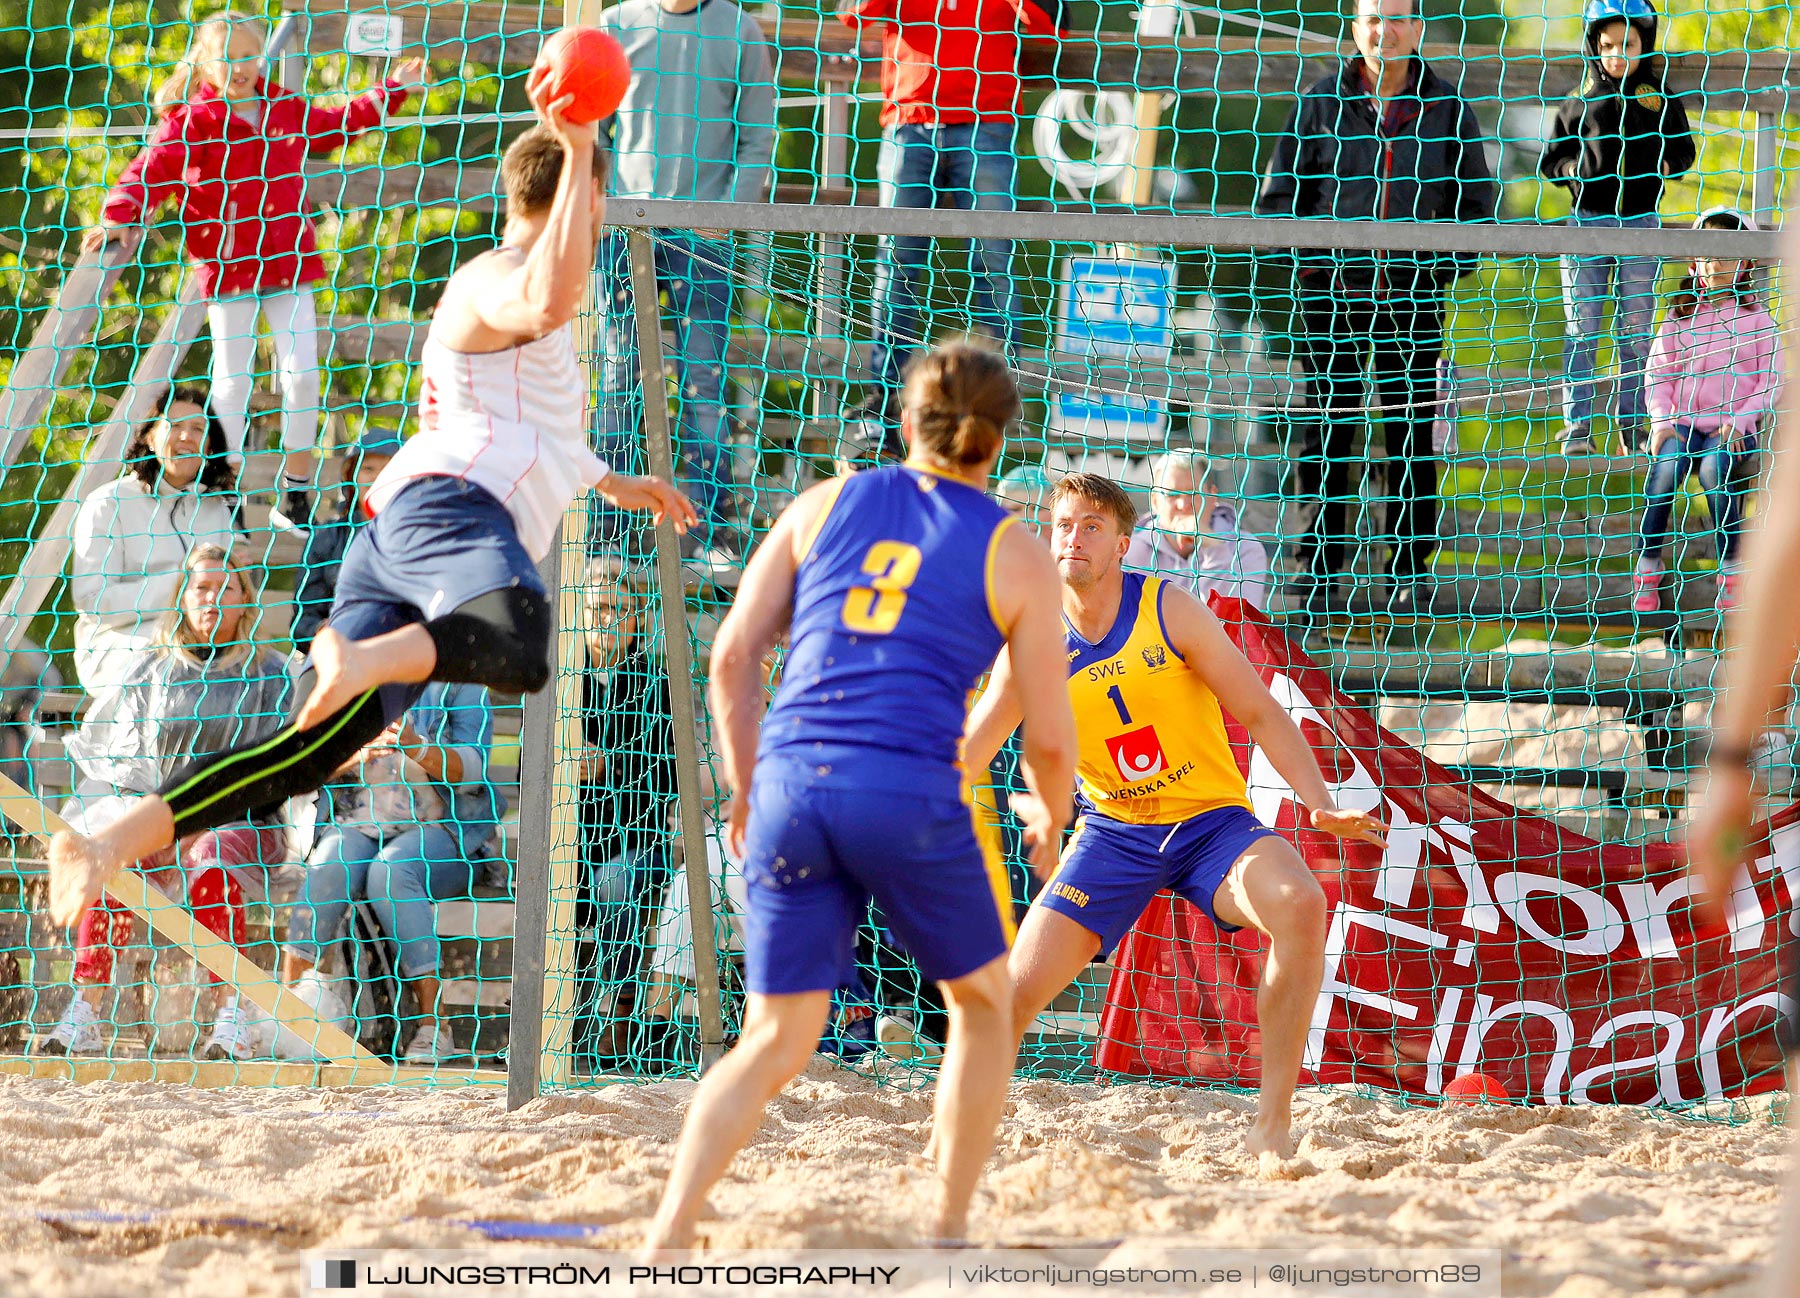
<point>875,609</point>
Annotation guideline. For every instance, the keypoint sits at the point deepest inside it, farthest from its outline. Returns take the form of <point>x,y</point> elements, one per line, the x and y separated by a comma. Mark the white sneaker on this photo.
<point>231,1037</point>
<point>76,1033</point>
<point>432,1044</point>
<point>901,1041</point>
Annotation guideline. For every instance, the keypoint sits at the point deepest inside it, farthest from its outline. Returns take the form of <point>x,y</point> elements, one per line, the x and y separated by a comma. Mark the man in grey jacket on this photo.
<point>1380,138</point>
<point>697,124</point>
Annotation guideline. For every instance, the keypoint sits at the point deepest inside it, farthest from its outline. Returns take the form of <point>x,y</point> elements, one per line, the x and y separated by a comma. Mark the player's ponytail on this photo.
<point>958,401</point>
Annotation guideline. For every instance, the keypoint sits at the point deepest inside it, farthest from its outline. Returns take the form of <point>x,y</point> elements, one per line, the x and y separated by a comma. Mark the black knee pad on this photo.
<point>500,639</point>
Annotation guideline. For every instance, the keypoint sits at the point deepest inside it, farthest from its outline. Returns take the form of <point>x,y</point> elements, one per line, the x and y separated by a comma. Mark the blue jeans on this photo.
<point>1589,283</point>
<point>1717,465</point>
<point>399,877</point>
<point>696,274</point>
<point>968,166</point>
<point>623,886</point>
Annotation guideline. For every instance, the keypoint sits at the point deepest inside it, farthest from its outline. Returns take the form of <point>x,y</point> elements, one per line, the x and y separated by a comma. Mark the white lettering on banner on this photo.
<point>1604,926</point>
<point>1408,841</point>
<point>1410,846</point>
<point>1268,788</point>
<point>1480,914</point>
<point>1668,1089</point>
<point>1708,1046</point>
<point>1400,863</point>
<point>1784,856</point>
<point>1441,1031</point>
<point>1337,942</point>
<point>1486,1016</point>
<point>1648,908</point>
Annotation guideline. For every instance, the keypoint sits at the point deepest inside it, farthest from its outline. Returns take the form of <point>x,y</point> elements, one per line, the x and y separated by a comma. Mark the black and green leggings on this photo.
<point>501,640</point>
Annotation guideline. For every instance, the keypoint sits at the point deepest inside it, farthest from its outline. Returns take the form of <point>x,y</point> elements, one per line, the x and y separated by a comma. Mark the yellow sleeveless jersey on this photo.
<point>1153,743</point>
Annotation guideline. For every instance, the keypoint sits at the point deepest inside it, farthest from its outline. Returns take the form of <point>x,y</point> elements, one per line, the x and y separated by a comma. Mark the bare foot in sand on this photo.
<point>1269,1137</point>
<point>342,670</point>
<point>79,869</point>
<point>666,1241</point>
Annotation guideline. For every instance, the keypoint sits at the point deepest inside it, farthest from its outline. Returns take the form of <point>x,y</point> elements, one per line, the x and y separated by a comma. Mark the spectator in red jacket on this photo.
<point>232,148</point>
<point>950,76</point>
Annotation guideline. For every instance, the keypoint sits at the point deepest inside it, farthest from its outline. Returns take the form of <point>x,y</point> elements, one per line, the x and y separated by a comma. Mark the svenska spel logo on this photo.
<point>334,1273</point>
<point>1138,754</point>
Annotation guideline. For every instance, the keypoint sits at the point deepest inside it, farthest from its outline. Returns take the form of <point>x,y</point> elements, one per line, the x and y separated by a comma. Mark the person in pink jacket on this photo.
<point>232,148</point>
<point>1714,379</point>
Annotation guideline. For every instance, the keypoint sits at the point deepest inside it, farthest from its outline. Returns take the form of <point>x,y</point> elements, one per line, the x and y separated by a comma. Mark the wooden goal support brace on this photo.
<point>176,923</point>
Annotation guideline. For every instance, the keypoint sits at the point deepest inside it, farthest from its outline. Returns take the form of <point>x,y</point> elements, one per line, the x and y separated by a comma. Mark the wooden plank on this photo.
<point>569,652</point>
<point>826,52</point>
<point>176,924</point>
<point>484,918</point>
<point>1451,682</point>
<point>220,1074</point>
<point>677,659</point>
<point>446,183</point>
<point>450,182</point>
<point>1561,667</point>
<point>69,323</point>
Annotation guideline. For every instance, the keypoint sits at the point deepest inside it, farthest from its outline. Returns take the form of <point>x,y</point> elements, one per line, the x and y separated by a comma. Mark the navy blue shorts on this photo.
<point>816,853</point>
<point>437,544</point>
<point>1110,870</point>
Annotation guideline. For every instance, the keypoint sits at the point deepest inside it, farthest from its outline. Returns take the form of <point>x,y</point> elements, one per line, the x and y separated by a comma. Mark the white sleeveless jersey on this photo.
<point>513,422</point>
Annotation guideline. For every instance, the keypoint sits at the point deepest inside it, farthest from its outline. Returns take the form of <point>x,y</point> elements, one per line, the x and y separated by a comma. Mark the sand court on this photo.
<point>127,1188</point>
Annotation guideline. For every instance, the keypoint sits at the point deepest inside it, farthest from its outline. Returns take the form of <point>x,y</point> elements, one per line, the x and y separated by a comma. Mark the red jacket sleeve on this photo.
<point>332,128</point>
<point>859,13</point>
<point>154,176</point>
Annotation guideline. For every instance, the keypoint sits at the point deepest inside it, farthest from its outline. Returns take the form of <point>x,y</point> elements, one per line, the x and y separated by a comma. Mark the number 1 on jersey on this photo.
<point>892,567</point>
<point>1118,701</point>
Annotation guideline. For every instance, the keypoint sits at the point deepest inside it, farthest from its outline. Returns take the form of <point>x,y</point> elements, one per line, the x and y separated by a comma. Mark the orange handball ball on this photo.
<point>590,65</point>
<point>1476,1088</point>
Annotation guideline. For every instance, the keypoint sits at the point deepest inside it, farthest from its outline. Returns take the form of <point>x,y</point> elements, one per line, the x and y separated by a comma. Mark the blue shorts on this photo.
<point>1110,870</point>
<point>437,544</point>
<point>816,853</point>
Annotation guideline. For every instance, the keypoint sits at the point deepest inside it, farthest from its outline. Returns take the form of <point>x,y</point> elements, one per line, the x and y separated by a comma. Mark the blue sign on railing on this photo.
<point>1114,309</point>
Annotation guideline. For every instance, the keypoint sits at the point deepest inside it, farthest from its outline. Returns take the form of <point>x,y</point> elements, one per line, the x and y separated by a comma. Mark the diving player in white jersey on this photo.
<point>442,584</point>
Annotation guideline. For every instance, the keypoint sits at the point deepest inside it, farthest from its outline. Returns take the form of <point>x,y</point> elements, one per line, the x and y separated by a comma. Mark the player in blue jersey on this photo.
<point>897,587</point>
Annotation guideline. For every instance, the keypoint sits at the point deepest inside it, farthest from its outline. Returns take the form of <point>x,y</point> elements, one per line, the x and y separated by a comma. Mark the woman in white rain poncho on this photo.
<point>202,687</point>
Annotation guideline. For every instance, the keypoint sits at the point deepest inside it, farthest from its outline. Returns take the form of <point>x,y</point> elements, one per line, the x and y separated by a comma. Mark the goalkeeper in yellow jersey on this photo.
<point>1162,803</point>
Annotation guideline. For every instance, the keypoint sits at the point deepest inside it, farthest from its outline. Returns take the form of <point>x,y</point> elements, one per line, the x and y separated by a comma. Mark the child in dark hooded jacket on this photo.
<point>1615,142</point>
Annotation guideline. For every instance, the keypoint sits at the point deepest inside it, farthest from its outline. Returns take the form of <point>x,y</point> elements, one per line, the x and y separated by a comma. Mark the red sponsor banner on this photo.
<point>1484,939</point>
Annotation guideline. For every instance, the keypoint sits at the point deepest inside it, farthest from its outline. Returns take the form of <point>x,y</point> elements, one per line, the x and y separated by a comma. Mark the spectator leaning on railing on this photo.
<point>133,535</point>
<point>1192,537</point>
<point>1381,138</point>
<point>202,687</point>
<point>950,81</point>
<point>697,124</point>
<point>407,829</point>
<point>1615,142</point>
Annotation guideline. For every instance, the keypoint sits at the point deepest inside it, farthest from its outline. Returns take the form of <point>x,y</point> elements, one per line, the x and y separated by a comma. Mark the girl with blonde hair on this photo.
<point>232,148</point>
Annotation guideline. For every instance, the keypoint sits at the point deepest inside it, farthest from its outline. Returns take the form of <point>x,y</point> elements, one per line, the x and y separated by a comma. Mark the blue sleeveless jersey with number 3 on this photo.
<point>893,626</point>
